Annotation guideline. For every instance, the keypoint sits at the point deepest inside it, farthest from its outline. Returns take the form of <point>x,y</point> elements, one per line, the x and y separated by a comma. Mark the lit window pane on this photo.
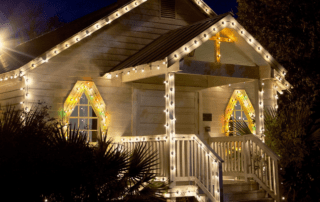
<point>83,124</point>
<point>85,119</point>
<point>91,112</point>
<point>83,111</point>
<point>75,111</point>
<point>83,99</point>
<point>84,133</point>
<point>93,136</point>
<point>244,116</point>
<point>238,115</point>
<point>93,124</point>
<point>238,106</point>
<point>73,123</point>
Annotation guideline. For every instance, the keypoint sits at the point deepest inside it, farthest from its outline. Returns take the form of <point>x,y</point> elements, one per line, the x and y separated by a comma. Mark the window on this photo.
<point>237,114</point>
<point>84,117</point>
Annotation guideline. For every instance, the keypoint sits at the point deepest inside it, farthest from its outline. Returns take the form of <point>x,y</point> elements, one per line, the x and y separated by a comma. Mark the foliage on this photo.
<point>29,20</point>
<point>41,159</point>
<point>290,31</point>
<point>295,136</point>
<point>241,127</point>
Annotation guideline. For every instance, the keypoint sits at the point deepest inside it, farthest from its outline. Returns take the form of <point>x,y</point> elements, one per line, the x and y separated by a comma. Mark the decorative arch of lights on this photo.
<point>95,100</point>
<point>242,97</point>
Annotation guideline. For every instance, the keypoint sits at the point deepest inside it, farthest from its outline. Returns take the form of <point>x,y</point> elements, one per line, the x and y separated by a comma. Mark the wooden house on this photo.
<point>171,73</point>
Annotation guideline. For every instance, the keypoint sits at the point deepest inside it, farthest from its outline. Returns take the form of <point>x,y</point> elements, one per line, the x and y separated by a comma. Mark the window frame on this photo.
<point>88,117</point>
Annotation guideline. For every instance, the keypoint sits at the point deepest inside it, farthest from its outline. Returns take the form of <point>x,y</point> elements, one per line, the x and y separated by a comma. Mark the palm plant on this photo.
<point>241,127</point>
<point>41,159</point>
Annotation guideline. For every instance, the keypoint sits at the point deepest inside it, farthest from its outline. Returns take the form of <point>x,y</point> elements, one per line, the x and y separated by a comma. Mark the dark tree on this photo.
<point>290,31</point>
<point>30,21</point>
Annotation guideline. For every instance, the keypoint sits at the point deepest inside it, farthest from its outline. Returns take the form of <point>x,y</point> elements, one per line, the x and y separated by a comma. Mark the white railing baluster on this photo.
<point>248,156</point>
<point>194,161</point>
<point>183,152</point>
<point>188,159</point>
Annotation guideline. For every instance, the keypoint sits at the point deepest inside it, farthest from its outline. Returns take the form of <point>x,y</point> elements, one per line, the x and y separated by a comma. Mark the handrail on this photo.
<point>199,163</point>
<point>249,157</point>
<point>194,161</point>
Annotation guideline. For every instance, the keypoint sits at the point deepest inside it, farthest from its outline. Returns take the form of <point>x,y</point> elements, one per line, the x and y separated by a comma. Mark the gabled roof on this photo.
<point>35,50</point>
<point>168,43</point>
<point>32,49</point>
<point>176,44</point>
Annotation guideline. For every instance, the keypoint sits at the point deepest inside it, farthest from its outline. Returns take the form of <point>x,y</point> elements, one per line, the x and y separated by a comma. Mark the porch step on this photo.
<point>241,191</point>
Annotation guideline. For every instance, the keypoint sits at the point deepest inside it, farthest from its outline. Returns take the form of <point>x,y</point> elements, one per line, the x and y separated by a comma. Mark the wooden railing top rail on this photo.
<point>196,138</point>
<point>255,139</point>
<point>161,137</point>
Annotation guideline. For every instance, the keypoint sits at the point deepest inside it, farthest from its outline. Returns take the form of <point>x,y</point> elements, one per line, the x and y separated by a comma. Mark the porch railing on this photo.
<point>249,157</point>
<point>195,162</point>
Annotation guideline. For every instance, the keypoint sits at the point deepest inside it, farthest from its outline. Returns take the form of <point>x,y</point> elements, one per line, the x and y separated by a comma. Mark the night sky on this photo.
<point>69,10</point>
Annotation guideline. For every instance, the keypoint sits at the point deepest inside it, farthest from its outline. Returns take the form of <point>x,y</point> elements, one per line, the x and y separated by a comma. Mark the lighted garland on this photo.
<point>95,100</point>
<point>242,97</point>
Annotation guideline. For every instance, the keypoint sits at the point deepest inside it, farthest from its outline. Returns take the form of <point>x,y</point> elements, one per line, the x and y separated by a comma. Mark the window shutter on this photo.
<point>168,9</point>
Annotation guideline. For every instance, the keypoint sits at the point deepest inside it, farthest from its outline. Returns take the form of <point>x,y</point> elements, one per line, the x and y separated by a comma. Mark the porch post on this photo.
<point>170,124</point>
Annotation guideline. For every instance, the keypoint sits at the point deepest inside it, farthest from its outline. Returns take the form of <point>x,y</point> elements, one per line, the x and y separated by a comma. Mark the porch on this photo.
<point>196,164</point>
<point>195,168</point>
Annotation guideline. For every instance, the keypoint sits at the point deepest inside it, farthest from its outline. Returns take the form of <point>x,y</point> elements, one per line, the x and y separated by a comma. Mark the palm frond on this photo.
<point>241,127</point>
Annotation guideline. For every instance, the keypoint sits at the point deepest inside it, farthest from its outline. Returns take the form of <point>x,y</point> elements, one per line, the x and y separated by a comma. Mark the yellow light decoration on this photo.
<point>218,39</point>
<point>242,97</point>
<point>95,100</point>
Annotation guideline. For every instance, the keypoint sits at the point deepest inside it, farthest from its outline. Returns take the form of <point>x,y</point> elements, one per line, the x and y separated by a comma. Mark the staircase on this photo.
<point>197,171</point>
<point>247,157</point>
<point>241,191</point>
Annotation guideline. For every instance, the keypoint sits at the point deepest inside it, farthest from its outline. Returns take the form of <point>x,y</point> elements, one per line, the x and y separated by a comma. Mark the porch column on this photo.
<point>269,97</point>
<point>170,123</point>
<point>259,90</point>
